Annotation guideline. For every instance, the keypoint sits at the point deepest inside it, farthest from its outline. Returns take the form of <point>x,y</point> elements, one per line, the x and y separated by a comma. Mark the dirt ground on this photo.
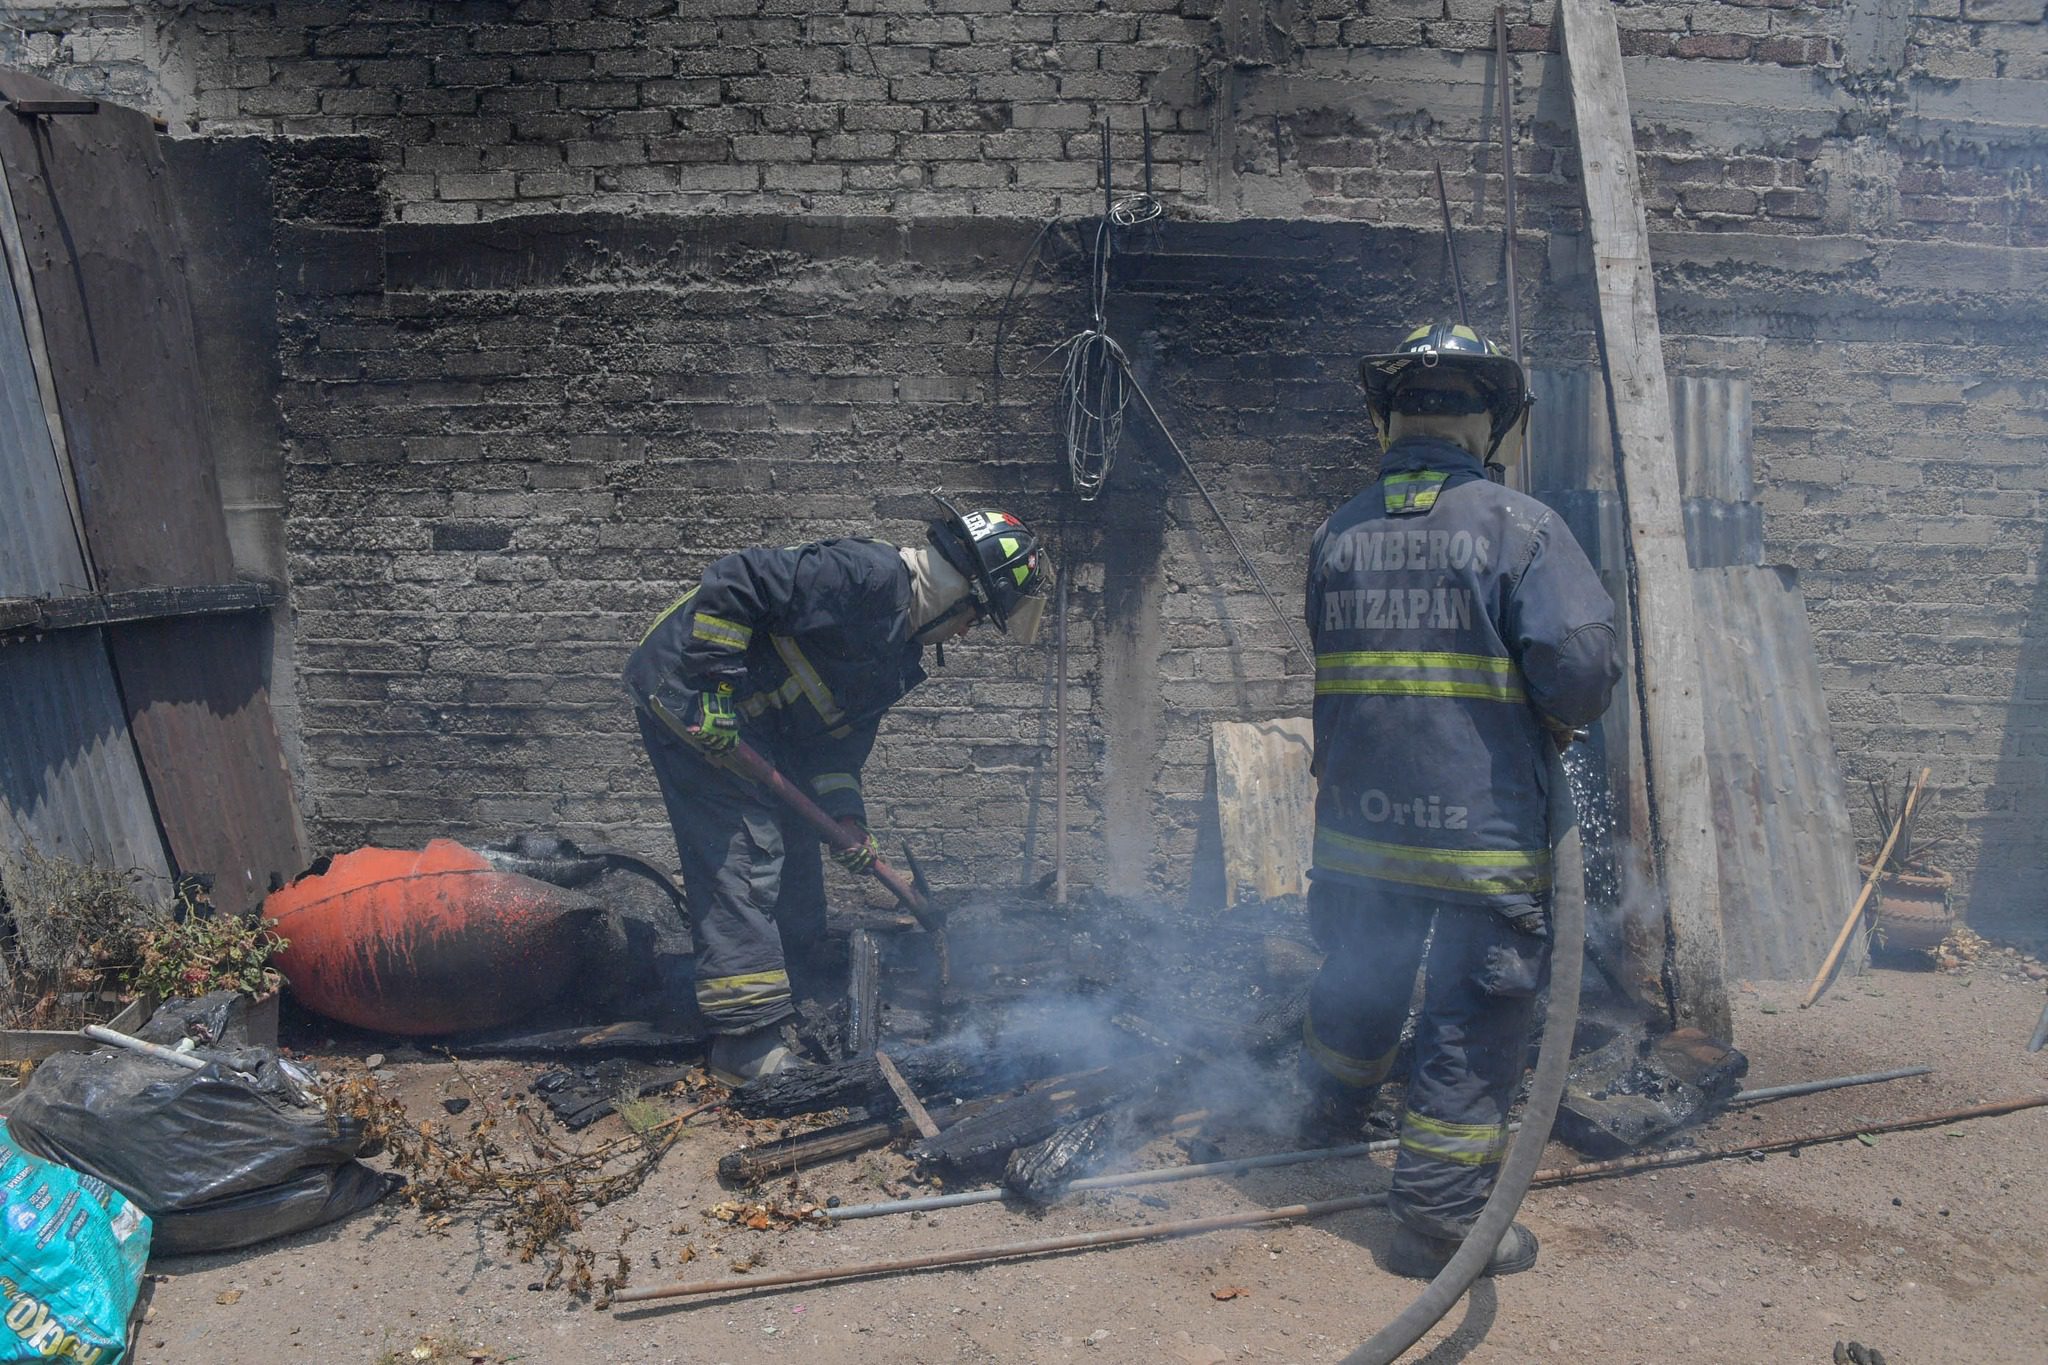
<point>1931,1245</point>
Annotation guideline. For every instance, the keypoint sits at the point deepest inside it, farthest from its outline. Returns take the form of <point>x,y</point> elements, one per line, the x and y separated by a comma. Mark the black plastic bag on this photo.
<point>222,1157</point>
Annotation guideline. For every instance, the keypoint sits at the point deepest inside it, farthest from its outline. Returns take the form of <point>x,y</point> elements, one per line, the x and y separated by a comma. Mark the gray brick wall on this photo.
<point>1914,118</point>
<point>505,451</point>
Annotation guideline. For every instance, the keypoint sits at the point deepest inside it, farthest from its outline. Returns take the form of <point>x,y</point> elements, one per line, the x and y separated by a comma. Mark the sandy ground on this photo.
<point>1929,1245</point>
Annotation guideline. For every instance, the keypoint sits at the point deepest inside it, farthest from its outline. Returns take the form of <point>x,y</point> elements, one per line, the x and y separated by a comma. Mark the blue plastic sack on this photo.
<point>72,1250</point>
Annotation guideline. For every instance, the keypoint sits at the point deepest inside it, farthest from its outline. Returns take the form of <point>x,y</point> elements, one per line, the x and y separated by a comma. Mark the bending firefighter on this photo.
<point>799,652</point>
<point>1461,637</point>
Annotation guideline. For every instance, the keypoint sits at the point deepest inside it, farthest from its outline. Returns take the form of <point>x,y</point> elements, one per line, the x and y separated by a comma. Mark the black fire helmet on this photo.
<point>1400,381</point>
<point>1008,570</point>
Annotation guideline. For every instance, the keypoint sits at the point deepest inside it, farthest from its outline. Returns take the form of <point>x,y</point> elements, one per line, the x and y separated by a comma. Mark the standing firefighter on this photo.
<point>1461,637</point>
<point>800,652</point>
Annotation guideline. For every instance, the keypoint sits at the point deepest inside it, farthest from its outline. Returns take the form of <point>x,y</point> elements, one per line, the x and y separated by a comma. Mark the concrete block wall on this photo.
<point>1846,209</point>
<point>1906,117</point>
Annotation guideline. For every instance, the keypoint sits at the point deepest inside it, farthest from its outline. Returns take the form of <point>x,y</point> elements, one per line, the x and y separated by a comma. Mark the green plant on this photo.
<point>202,953</point>
<point>1909,852</point>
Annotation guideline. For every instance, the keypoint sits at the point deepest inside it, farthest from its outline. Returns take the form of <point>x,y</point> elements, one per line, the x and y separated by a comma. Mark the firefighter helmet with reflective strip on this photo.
<point>1006,567</point>
<point>1423,376</point>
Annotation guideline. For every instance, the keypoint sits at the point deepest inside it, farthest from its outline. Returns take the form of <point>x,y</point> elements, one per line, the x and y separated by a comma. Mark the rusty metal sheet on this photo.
<point>39,551</point>
<point>103,260</point>
<point>1787,854</point>
<point>200,712</point>
<point>1266,806</point>
<point>69,780</point>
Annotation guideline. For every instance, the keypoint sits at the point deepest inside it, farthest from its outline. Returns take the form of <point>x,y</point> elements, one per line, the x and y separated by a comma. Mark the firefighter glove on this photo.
<point>858,857</point>
<point>718,724</point>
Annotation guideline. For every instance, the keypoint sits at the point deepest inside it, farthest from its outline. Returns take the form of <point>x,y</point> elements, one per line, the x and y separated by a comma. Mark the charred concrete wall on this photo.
<point>757,299</point>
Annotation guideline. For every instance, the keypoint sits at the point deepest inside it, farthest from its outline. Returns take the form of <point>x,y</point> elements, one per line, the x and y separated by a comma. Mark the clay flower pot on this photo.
<point>1913,910</point>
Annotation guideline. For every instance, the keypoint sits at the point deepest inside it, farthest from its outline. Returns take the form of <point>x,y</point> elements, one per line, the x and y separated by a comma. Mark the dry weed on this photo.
<point>507,1167</point>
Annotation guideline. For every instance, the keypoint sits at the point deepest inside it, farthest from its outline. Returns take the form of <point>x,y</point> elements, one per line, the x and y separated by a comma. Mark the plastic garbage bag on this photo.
<point>223,1157</point>
<point>72,1250</point>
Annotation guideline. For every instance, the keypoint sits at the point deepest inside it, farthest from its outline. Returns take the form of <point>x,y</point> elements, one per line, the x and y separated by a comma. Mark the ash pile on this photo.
<point>1042,1041</point>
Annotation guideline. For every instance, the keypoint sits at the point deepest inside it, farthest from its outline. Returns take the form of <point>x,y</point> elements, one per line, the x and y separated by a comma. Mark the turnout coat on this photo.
<point>1458,626</point>
<point>817,643</point>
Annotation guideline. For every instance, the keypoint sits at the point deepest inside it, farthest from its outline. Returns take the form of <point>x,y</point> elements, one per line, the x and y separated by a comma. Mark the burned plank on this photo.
<point>1041,1172</point>
<point>985,1141</point>
<point>962,1070</point>
<point>863,993</point>
<point>764,1161</point>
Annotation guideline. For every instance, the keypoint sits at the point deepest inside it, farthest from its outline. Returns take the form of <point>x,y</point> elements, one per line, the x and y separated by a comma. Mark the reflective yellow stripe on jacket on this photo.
<point>1418,673</point>
<point>1483,872</point>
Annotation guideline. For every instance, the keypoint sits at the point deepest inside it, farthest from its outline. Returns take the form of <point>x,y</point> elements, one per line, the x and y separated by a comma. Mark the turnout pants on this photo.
<point>751,878</point>
<point>1478,1009</point>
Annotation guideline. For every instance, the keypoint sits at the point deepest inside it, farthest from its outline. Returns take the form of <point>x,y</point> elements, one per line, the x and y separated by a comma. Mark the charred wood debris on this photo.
<point>1046,1042</point>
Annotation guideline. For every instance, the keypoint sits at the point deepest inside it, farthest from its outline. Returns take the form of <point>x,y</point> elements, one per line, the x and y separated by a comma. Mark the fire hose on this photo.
<point>1546,1090</point>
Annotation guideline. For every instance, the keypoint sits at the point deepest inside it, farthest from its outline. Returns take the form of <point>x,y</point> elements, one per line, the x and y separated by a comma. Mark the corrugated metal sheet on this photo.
<point>1710,427</point>
<point>1788,857</point>
<point>200,714</point>
<point>69,781</point>
<point>107,276</point>
<point>39,554</point>
<point>108,280</point>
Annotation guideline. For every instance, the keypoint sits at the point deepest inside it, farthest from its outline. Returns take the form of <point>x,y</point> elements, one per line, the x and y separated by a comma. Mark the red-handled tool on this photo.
<point>749,761</point>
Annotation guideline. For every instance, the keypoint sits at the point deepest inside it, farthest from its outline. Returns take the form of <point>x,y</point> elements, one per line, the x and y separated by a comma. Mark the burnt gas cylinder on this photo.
<point>429,942</point>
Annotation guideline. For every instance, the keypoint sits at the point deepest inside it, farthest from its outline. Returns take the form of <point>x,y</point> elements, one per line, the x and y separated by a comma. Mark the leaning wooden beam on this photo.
<point>1631,346</point>
<point>863,993</point>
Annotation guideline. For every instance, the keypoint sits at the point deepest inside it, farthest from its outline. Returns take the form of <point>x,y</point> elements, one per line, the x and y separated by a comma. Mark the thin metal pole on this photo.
<point>1166,1174</point>
<point>1506,111</point>
<point>2040,1038</point>
<point>1107,1237</point>
<point>1561,1175</point>
<point>1285,620</point>
<point>1443,202</point>
<point>1779,1092</point>
<point>1059,707</point>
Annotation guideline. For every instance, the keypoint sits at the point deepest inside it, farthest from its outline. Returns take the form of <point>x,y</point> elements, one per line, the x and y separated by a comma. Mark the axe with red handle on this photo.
<point>837,836</point>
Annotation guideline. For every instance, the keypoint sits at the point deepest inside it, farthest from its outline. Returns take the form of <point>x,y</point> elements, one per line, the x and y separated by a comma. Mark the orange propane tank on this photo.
<point>430,942</point>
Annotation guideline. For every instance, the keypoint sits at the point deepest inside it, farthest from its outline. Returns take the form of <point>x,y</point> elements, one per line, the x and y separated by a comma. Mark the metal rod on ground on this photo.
<point>102,1034</point>
<point>1506,101</point>
<point>1189,1227</point>
<point>1059,707</point>
<point>1168,1174</point>
<point>1623,1164</point>
<point>1780,1092</point>
<point>1443,202</point>
<point>1076,1242</point>
<point>1181,455</point>
<point>1820,978</point>
<point>2040,1039</point>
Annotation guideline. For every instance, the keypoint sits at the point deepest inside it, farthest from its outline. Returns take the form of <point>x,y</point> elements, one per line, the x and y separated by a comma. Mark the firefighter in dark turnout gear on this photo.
<point>799,651</point>
<point>1461,636</point>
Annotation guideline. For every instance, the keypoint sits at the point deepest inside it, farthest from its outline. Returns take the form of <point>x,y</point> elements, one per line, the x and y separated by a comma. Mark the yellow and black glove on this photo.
<point>718,724</point>
<point>857,858</point>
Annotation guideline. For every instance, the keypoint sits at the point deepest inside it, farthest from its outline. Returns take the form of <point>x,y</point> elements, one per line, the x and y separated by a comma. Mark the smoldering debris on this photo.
<point>1637,1088</point>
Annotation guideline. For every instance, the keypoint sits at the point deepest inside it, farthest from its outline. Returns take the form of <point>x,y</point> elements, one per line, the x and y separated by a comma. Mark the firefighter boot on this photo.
<point>736,1058</point>
<point>1420,1257</point>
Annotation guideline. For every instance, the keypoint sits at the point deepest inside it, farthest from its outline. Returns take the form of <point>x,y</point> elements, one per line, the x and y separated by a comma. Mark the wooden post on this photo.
<point>1639,398</point>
